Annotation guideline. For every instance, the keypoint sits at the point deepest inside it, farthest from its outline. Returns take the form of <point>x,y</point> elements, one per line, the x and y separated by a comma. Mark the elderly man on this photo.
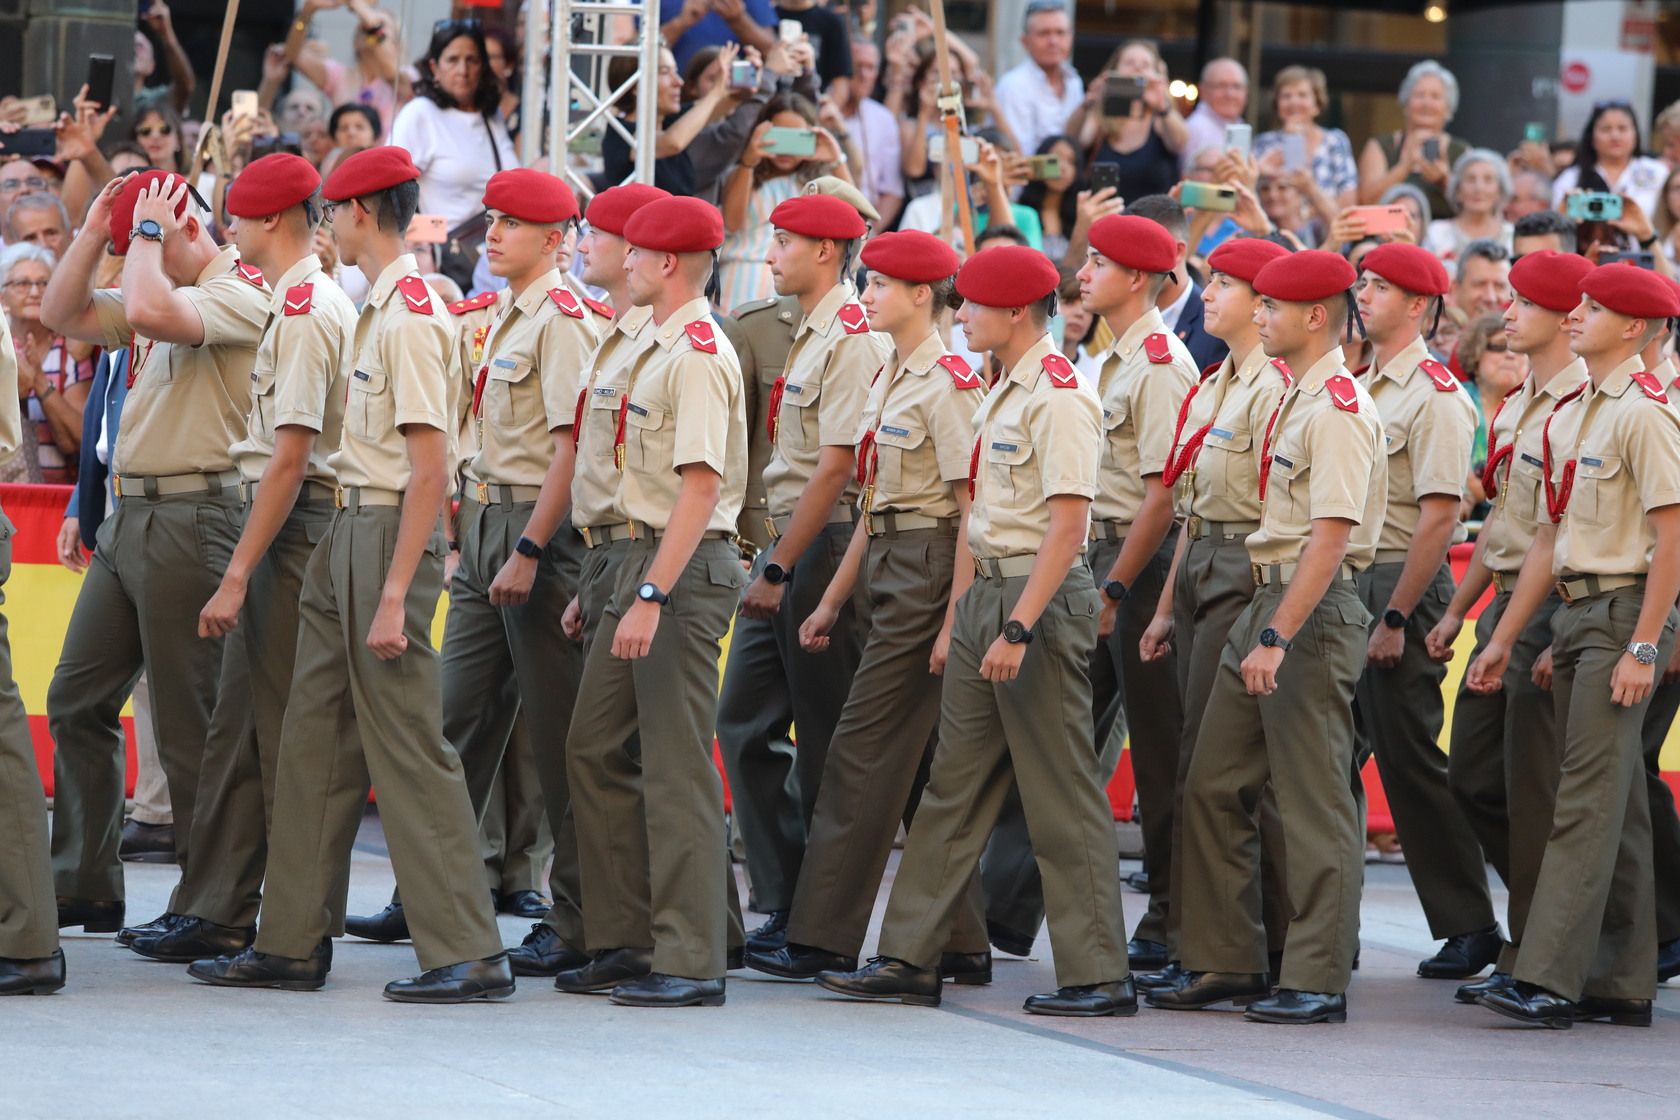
<point>40,219</point>
<point>875,130</point>
<point>19,177</point>
<point>1224,96</point>
<point>1482,283</point>
<point>1038,95</point>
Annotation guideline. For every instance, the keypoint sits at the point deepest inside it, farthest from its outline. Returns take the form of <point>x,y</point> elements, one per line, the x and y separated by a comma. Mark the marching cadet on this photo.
<point>190,314</point>
<point>554,943</point>
<point>1016,703</point>
<point>364,647</point>
<point>31,963</point>
<point>657,822</point>
<point>504,650</point>
<point>1213,470</point>
<point>1281,708</point>
<point>762,334</point>
<point>1612,553</point>
<point>812,494</point>
<point>296,413</point>
<point>914,444</point>
<point>1503,765</point>
<point>1144,378</point>
<point>1429,426</point>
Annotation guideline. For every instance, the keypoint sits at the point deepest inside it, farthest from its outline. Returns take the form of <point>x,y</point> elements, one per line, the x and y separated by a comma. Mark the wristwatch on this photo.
<point>1643,652</point>
<point>455,546</point>
<point>775,574</point>
<point>650,593</point>
<point>1647,242</point>
<point>525,546</point>
<point>1394,620</point>
<point>1016,634</point>
<point>1115,590</point>
<point>149,229</point>
<point>1271,639</point>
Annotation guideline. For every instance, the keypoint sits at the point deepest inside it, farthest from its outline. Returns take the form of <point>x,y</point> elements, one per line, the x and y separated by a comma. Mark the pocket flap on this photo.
<point>1395,442</point>
<point>1228,440</point>
<point>367,381</point>
<point>603,396</point>
<point>1008,452</point>
<point>262,381</point>
<point>801,394</point>
<point>647,419</point>
<point>511,370</point>
<point>1287,466</point>
<point>895,435</point>
<point>724,572</point>
<point>1116,416</point>
<point>1597,466</point>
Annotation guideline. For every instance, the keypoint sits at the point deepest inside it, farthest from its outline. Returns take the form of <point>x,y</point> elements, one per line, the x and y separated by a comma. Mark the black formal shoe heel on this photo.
<point>964,969</point>
<point>606,970</point>
<point>390,924</point>
<point>1616,1012</point>
<point>40,976</point>
<point>93,915</point>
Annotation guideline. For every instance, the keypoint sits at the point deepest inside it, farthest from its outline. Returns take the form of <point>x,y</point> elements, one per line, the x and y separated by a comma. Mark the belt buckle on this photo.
<point>116,485</point>
<point>869,524</point>
<point>770,528</point>
<point>1196,526</point>
<point>583,530</point>
<point>630,527</point>
<point>338,498</point>
<point>1562,588</point>
<point>483,493</point>
<point>1259,573</point>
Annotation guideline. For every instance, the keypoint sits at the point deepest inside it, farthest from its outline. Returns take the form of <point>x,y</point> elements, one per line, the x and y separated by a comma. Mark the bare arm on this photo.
<point>836,466</point>
<point>1326,549</point>
<point>156,308</point>
<point>1149,528</point>
<point>512,585</point>
<point>1437,517</point>
<point>1534,585</point>
<point>277,493</point>
<point>428,481</point>
<point>701,487</point>
<point>67,304</point>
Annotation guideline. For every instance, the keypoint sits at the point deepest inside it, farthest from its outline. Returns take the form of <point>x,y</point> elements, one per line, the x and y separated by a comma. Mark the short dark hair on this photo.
<point>1005,232</point>
<point>1546,223</point>
<point>1164,211</point>
<point>398,203</point>
<point>1480,249</point>
<point>1043,310</point>
<point>351,109</point>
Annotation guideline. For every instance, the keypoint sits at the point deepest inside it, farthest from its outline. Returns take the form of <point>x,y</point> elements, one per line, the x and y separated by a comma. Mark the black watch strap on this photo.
<point>525,546</point>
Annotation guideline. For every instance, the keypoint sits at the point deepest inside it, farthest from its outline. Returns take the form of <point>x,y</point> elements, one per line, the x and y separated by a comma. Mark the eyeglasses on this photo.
<point>32,182</point>
<point>1495,348</point>
<point>155,130</point>
<point>37,285</point>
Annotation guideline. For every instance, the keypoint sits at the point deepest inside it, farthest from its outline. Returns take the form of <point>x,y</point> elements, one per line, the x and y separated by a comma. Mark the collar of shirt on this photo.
<point>1567,379</point>
<point>1620,378</point>
<point>1027,371</point>
<point>220,264</point>
<point>1251,365</point>
<point>1665,372</point>
<point>631,322</point>
<point>304,268</point>
<point>1175,309</point>
<point>1401,366</point>
<point>1320,372</point>
<point>922,358</point>
<point>404,265</point>
<point>1148,323</point>
<point>673,328</point>
<point>823,314</point>
<point>533,297</point>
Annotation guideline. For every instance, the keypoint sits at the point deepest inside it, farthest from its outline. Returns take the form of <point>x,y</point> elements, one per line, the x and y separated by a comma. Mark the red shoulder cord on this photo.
<point>1178,462</point>
<point>1557,498</point>
<point>773,422</point>
<point>577,418</point>
<point>1266,444</point>
<point>867,453</point>
<point>478,390</point>
<point>1497,456</point>
<point>974,466</point>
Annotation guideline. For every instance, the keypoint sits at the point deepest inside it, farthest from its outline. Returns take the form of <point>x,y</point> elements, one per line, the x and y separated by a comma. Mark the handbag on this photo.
<point>458,255</point>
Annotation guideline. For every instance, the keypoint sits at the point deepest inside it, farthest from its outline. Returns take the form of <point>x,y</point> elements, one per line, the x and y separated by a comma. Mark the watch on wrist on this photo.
<point>454,546</point>
<point>1394,620</point>
<point>1643,652</point>
<point>149,229</point>
<point>1016,633</point>
<point>1271,639</point>
<point>525,546</point>
<point>650,593</point>
<point>1647,242</point>
<point>775,574</point>
<point>1116,591</point>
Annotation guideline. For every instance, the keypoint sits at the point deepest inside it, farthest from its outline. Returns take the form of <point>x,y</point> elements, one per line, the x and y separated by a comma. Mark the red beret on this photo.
<point>819,216</point>
<point>530,195</point>
<point>370,171</point>
<point>913,256</point>
<point>271,184</point>
<point>1417,270</point>
<point>1134,242</point>
<point>1007,276</point>
<point>1629,290</point>
<point>1243,257</point>
<point>1305,277</point>
<point>122,207</point>
<point>679,224</point>
<point>610,210</point>
<point>1550,278</point>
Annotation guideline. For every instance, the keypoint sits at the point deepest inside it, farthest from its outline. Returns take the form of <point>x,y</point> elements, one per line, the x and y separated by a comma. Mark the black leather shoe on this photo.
<point>1289,1006</point>
<point>490,978</point>
<point>770,936</point>
<point>93,915</point>
<point>887,978</point>
<point>544,953</point>
<point>1146,955</point>
<point>146,843</point>
<point>163,923</point>
<point>736,958</point>
<point>1167,977</point>
<point>605,971</point>
<point>195,939</point>
<point>42,975</point>
<point>1463,955</point>
<point>522,904</point>
<point>390,924</point>
<point>1087,1001</point>
<point>1473,991</point>
<point>1196,990</point>
<point>1532,1004</point>
<point>1137,881</point>
<point>1013,942</point>
<point>659,990</point>
<point>798,962</point>
<point>1621,1012</point>
<point>1668,960</point>
<point>251,969</point>
<point>962,968</point>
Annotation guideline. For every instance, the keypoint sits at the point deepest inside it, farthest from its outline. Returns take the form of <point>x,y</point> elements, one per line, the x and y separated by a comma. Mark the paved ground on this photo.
<point>132,1038</point>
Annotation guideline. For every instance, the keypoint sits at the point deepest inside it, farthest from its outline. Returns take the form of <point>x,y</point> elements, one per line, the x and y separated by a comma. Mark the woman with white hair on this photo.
<point>1479,188</point>
<point>52,383</point>
<point>1421,153</point>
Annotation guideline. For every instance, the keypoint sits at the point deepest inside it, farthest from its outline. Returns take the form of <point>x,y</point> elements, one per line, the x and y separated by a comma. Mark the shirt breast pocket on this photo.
<point>601,413</point>
<point>645,437</point>
<point>1525,487</point>
<point>1009,470</point>
<point>508,388</point>
<point>262,401</point>
<point>1227,455</point>
<point>369,411</point>
<point>1287,484</point>
<point>896,446</point>
<point>1116,432</point>
<point>798,425</point>
<point>1598,481</point>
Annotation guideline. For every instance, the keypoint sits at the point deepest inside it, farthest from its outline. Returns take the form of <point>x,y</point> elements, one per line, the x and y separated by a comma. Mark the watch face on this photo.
<point>150,228</point>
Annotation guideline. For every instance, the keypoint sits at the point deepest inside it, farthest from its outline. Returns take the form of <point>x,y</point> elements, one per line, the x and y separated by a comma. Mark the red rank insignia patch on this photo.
<point>298,299</point>
<point>701,334</point>
<point>1060,371</point>
<point>961,375</point>
<point>1157,349</point>
<point>462,306</point>
<point>249,273</point>
<point>853,319</point>
<point>604,310</point>
<point>566,302</point>
<point>415,294</point>
<point>1343,393</point>
<point>1651,386</point>
<point>1439,375</point>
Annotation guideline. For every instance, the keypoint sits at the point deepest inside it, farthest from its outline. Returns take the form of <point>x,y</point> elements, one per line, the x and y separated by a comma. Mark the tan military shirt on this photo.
<point>825,386</point>
<point>11,411</point>
<point>401,376</point>
<point>921,415</point>
<point>302,370</point>
<point>684,406</point>
<point>1666,372</point>
<point>1429,429</point>
<point>470,319</point>
<point>762,333</point>
<point>1233,404</point>
<point>1144,377</point>
<point>596,475</point>
<point>1520,509</point>
<point>1627,463</point>
<point>1326,461</point>
<point>1039,435</point>
<point>186,405</point>
<point>535,355</point>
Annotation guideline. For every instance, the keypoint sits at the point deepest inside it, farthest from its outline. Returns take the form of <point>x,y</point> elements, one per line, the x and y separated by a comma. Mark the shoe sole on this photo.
<point>781,974</point>
<point>1550,1022</point>
<point>148,857</point>
<point>885,997</point>
<point>1455,975</point>
<point>1329,1017</point>
<point>95,927</point>
<point>378,940</point>
<point>595,989</point>
<point>703,1001</point>
<point>184,958</point>
<point>1235,1001</point>
<point>968,979</point>
<point>46,988</point>
<point>276,985</point>
<point>1122,1012</point>
<point>476,997</point>
<point>533,969</point>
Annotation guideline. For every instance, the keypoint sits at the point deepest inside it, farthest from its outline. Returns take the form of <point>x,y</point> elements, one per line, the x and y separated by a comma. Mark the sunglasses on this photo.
<point>154,130</point>
<point>457,26</point>
<point>1492,348</point>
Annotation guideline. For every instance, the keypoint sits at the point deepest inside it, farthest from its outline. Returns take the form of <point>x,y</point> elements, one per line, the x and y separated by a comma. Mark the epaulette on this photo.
<point>1061,371</point>
<point>1650,385</point>
<point>462,306</point>
<point>702,335</point>
<point>415,294</point>
<point>1283,368</point>
<point>249,273</point>
<point>566,302</point>
<point>1344,394</point>
<point>1439,375</point>
<point>604,310</point>
<point>853,319</point>
<point>962,376</point>
<point>298,299</point>
<point>1157,349</point>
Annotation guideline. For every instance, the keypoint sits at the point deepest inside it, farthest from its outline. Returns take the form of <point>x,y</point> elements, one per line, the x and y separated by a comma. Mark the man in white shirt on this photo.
<point>1038,95</point>
<point>874,131</point>
<point>1224,96</point>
